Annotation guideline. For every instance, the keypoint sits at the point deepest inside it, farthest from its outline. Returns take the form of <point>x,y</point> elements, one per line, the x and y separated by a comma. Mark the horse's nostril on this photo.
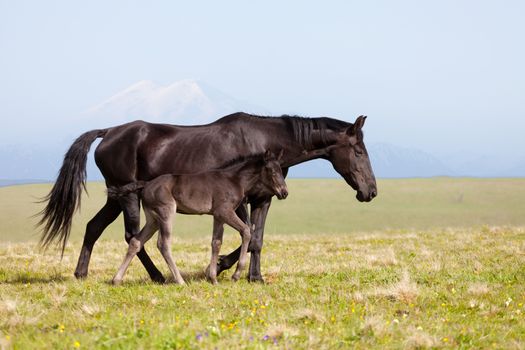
<point>373,194</point>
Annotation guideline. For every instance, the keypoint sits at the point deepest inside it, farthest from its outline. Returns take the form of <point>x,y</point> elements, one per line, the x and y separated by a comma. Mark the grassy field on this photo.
<point>431,263</point>
<point>314,207</point>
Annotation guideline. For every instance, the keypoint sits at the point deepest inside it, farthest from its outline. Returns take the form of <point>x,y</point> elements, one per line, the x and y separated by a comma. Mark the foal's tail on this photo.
<point>115,192</point>
<point>64,198</point>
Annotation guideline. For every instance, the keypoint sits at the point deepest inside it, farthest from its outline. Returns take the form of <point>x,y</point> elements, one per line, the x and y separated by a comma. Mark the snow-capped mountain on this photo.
<point>182,102</point>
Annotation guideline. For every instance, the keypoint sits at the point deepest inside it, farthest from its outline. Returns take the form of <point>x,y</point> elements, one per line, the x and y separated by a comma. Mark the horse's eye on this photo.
<point>358,153</point>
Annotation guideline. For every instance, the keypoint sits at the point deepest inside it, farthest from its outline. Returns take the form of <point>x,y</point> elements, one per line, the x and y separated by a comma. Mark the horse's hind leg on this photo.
<point>105,216</point>
<point>164,244</point>
<point>131,206</point>
<point>135,245</point>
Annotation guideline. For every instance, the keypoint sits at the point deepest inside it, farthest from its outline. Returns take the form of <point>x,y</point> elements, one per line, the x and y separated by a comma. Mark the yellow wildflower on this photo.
<point>76,344</point>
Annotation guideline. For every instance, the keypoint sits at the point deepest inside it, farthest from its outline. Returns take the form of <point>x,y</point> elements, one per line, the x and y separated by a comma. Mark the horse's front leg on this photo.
<point>258,218</point>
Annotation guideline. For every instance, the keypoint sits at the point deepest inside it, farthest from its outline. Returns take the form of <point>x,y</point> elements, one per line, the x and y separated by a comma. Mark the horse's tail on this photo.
<point>64,198</point>
<point>116,192</point>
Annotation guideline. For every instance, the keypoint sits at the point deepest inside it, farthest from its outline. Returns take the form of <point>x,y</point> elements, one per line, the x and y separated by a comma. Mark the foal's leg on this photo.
<point>131,206</point>
<point>164,244</point>
<point>233,220</point>
<point>109,212</point>
<point>216,242</point>
<point>135,245</point>
<point>227,261</point>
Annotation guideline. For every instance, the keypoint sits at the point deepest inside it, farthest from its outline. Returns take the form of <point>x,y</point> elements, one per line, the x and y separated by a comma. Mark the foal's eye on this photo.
<point>358,153</point>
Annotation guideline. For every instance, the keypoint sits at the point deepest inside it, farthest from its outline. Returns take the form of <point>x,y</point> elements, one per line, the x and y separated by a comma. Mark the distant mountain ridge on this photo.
<point>393,161</point>
<point>195,102</point>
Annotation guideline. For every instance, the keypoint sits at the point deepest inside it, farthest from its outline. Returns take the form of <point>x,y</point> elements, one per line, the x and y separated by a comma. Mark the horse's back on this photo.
<point>142,151</point>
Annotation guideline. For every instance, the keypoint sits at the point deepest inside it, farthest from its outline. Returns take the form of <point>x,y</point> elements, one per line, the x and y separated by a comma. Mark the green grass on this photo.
<point>314,207</point>
<point>435,263</point>
<point>443,288</point>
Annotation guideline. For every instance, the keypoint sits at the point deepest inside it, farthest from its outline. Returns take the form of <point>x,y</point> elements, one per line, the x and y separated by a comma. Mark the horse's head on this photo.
<point>272,175</point>
<point>350,159</point>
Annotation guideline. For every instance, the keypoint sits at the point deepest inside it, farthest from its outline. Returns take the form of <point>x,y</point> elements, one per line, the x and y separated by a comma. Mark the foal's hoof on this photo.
<point>116,282</point>
<point>208,277</point>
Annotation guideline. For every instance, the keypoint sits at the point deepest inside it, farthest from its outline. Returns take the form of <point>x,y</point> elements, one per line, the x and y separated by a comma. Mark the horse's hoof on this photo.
<point>80,275</point>
<point>222,264</point>
<point>255,279</point>
<point>158,279</point>
<point>116,282</point>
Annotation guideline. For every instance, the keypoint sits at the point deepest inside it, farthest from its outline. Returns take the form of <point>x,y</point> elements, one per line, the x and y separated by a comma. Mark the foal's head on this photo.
<point>272,176</point>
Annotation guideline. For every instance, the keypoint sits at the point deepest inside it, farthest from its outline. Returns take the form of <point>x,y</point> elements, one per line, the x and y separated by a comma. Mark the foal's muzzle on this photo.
<point>282,193</point>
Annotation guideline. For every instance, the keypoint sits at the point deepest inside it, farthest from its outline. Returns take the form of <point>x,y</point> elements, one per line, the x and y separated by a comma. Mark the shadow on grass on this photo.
<point>27,278</point>
<point>189,277</point>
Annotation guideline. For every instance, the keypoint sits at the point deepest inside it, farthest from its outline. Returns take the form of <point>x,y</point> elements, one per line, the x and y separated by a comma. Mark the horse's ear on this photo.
<point>354,131</point>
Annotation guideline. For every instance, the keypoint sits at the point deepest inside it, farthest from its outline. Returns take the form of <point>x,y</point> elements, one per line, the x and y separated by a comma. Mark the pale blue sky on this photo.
<point>419,70</point>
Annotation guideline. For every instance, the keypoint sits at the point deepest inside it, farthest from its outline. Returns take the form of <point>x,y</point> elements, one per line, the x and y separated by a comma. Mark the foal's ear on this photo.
<point>280,156</point>
<point>268,155</point>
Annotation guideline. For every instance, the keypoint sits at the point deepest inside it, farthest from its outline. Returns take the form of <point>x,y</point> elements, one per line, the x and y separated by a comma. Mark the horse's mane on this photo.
<point>302,127</point>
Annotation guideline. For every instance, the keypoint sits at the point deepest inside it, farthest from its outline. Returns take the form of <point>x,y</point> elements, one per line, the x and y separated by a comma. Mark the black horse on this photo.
<point>142,151</point>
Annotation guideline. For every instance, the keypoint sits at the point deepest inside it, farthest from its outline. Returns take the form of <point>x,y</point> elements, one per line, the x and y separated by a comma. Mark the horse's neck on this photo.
<point>317,147</point>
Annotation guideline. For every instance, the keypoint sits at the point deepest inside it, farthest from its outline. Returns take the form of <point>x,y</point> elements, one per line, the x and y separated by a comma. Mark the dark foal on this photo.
<point>218,193</point>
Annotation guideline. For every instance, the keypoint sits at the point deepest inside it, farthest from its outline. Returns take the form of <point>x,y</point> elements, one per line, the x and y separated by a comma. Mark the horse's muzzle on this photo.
<point>366,198</point>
